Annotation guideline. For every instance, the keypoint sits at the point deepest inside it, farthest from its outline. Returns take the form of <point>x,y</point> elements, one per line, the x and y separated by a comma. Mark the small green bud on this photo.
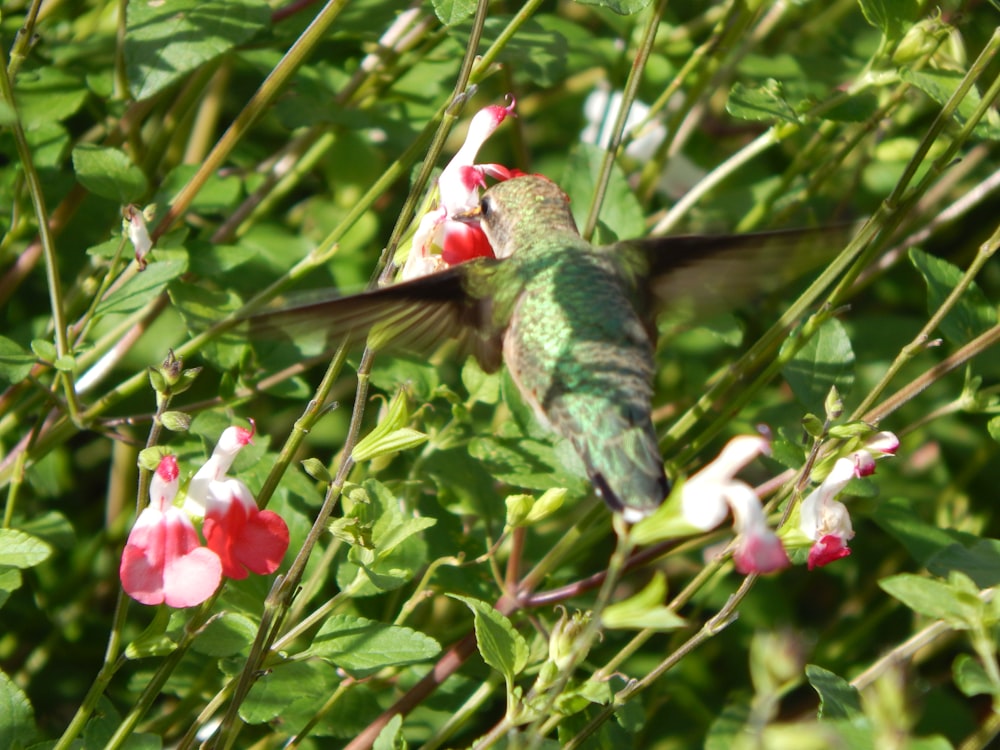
<point>564,638</point>
<point>176,421</point>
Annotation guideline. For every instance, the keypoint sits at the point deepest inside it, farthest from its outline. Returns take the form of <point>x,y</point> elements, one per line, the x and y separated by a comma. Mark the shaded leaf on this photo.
<point>826,360</point>
<point>838,699</point>
<point>15,362</point>
<point>972,313</point>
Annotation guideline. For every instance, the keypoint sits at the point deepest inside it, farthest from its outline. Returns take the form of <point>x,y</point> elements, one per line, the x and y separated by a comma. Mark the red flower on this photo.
<point>163,561</point>
<point>243,536</point>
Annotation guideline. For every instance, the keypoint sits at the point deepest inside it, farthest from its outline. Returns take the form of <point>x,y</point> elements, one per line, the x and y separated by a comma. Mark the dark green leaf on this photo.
<point>838,699</point>
<point>980,561</point>
<point>281,686</point>
<point>164,41</point>
<point>108,172</point>
<point>362,646</point>
<point>226,635</point>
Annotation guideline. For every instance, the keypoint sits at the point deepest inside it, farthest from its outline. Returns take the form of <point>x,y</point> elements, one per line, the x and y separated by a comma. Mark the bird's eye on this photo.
<point>485,207</point>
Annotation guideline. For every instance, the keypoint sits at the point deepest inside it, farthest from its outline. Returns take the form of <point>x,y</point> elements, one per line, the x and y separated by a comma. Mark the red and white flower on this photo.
<point>710,494</point>
<point>441,241</point>
<point>824,519</point>
<point>163,561</point>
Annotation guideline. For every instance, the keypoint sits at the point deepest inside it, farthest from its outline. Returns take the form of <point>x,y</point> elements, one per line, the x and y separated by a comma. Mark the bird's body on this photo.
<point>574,342</point>
<point>572,321</point>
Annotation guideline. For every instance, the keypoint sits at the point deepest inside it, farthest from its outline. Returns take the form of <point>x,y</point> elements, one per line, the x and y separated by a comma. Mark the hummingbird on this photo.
<point>573,322</point>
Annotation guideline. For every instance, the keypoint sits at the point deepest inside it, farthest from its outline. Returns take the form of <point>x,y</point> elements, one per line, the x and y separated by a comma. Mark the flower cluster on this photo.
<point>164,562</point>
<point>708,496</point>
<point>440,240</point>
<point>824,519</point>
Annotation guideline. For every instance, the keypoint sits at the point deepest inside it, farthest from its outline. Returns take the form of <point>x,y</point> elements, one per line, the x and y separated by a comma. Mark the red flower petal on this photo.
<point>243,537</point>
<point>463,242</point>
<point>163,561</point>
<point>827,550</point>
<point>760,553</point>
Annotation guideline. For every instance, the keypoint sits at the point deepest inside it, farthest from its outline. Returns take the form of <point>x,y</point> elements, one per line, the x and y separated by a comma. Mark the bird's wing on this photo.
<point>703,274</point>
<point>413,316</point>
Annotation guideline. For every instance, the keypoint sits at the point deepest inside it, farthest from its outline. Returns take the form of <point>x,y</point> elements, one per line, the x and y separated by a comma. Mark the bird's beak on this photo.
<point>471,216</point>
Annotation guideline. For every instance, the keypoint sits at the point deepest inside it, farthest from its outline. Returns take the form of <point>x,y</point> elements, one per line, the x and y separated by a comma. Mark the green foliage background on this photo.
<point>287,148</point>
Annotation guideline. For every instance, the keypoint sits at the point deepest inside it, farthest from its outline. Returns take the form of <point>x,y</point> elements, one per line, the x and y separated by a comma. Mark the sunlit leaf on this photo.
<point>164,41</point>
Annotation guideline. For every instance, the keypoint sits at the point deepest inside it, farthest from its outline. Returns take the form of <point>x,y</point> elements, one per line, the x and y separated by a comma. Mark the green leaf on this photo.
<point>452,11</point>
<point>644,610</point>
<point>971,678</point>
<point>935,599</point>
<point>17,719</point>
<point>20,550</point>
<point>765,103</point>
<point>940,85</point>
<point>10,580</point>
<point>621,7</point>
<point>282,686</point>
<point>44,349</point>
<point>972,313</point>
<point>48,95</point>
<point>201,308</point>
<point>889,16</point>
<point>980,561</point>
<point>500,645</point>
<point>391,735</point>
<point>165,41</point>
<point>15,362</point>
<point>154,640</point>
<point>226,635</point>
<point>838,699</point>
<point>397,547</point>
<point>825,360</point>
<point>142,288</point>
<point>108,172</point>
<point>362,646</point>
<point>621,212</point>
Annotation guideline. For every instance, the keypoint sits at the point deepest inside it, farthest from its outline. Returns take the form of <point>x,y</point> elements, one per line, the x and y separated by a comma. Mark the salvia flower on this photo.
<point>458,193</point>
<point>825,520</point>
<point>710,494</point>
<point>163,561</point>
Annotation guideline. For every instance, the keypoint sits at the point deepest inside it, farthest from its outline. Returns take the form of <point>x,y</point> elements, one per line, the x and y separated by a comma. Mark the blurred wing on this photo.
<point>706,274</point>
<point>414,316</point>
